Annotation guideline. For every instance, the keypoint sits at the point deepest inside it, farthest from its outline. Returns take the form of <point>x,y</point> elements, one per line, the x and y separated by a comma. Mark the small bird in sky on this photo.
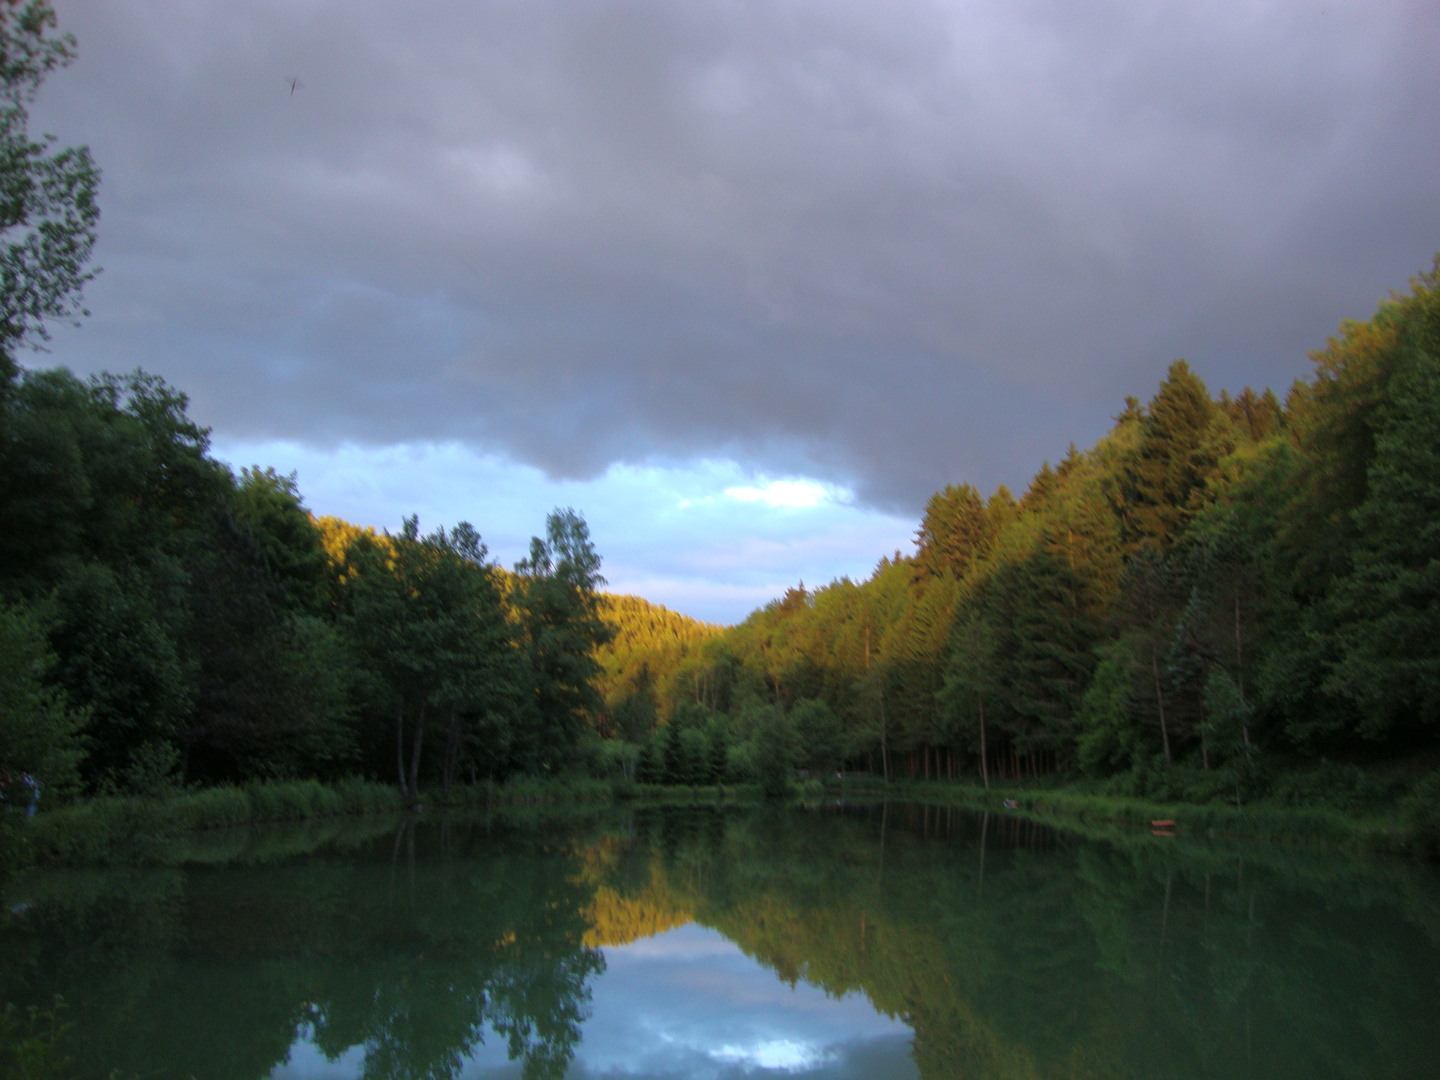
<point>295,84</point>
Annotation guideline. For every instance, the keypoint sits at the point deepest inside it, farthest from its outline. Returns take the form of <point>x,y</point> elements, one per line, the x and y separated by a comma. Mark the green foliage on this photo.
<point>818,735</point>
<point>653,659</point>
<point>1386,610</point>
<point>742,763</point>
<point>677,765</point>
<point>1109,741</point>
<point>717,754</point>
<point>1227,715</point>
<point>557,605</point>
<point>427,617</point>
<point>30,1043</point>
<point>1224,583</point>
<point>1178,453</point>
<point>694,757</point>
<point>775,755</point>
<point>121,659</point>
<point>615,759</point>
<point>39,735</point>
<point>48,208</point>
<point>634,716</point>
<point>140,830</point>
<point>270,507</point>
<point>1422,816</point>
<point>954,533</point>
<point>651,766</point>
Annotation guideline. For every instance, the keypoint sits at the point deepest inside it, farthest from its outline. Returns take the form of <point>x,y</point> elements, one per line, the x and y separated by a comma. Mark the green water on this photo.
<point>866,941</point>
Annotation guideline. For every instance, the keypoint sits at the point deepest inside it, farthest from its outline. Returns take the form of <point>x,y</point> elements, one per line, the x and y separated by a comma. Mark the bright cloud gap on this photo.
<point>707,537</point>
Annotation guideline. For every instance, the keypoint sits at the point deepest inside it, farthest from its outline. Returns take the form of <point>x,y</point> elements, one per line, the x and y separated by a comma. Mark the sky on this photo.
<point>743,282</point>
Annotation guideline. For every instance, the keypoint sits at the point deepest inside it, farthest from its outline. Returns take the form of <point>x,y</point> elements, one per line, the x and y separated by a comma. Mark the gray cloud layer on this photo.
<point>892,244</point>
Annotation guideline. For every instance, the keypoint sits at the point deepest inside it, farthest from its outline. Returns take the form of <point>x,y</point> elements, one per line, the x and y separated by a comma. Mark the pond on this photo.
<point>878,941</point>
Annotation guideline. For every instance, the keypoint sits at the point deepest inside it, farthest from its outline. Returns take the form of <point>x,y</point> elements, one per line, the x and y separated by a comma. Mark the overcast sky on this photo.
<point>744,282</point>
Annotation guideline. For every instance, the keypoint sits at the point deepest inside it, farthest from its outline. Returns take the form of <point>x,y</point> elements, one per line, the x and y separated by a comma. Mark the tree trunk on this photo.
<point>1160,700</point>
<point>984,759</point>
<point>1240,671</point>
<point>415,753</point>
<point>400,749</point>
<point>884,748</point>
<point>984,831</point>
<point>452,752</point>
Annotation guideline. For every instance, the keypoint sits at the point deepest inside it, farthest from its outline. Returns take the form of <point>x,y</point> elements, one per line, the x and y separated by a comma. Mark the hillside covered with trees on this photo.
<point>1221,587</point>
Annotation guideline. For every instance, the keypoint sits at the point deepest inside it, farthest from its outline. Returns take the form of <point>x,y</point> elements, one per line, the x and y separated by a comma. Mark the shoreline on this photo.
<point>168,830</point>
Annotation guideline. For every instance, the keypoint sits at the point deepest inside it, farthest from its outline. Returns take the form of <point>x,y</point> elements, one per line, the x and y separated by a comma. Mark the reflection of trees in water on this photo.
<point>214,974</point>
<point>1014,951</point>
<point>1010,949</point>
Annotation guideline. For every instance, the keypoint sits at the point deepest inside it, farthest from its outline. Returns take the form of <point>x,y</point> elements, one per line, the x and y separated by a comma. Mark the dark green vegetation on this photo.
<point>1008,949</point>
<point>167,623</point>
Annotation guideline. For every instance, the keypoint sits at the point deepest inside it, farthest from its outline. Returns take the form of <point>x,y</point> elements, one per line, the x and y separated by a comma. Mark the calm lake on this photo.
<point>878,941</point>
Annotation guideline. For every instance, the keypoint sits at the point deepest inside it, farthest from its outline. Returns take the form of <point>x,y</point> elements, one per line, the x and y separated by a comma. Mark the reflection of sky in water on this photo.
<point>689,1003</point>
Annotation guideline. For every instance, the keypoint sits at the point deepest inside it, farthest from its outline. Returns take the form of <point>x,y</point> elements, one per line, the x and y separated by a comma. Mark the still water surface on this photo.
<point>864,941</point>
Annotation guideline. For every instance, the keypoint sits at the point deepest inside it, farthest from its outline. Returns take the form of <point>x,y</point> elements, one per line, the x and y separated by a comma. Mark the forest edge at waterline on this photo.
<point>209,825</point>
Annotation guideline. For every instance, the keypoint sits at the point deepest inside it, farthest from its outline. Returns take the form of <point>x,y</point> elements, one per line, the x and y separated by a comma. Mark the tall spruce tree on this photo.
<point>1178,454</point>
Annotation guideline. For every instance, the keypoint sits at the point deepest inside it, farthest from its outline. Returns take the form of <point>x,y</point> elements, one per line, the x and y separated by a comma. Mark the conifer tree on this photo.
<point>1177,455</point>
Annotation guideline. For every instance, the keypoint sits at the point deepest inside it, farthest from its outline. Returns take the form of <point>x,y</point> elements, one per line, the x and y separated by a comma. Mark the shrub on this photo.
<point>1422,817</point>
<point>775,756</point>
<point>740,764</point>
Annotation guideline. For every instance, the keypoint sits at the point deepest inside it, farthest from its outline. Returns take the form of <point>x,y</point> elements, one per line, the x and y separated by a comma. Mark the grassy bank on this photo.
<point>1410,827</point>
<point>209,826</point>
<point>164,830</point>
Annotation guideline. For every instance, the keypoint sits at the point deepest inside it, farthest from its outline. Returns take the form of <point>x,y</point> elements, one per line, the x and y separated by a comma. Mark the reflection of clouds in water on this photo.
<point>309,1061</point>
<point>786,1054</point>
<point>688,1003</point>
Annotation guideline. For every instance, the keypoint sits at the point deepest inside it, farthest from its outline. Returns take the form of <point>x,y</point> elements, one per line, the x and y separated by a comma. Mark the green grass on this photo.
<point>154,831</point>
<point>1368,830</point>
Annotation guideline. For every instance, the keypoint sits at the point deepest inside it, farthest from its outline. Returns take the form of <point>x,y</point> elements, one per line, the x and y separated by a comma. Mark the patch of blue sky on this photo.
<point>707,537</point>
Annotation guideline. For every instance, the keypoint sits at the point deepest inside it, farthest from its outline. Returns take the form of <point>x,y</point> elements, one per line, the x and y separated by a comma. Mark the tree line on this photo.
<point>1222,587</point>
<point>167,621</point>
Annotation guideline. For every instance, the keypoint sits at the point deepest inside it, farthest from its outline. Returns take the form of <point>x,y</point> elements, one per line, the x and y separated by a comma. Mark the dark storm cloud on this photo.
<point>891,244</point>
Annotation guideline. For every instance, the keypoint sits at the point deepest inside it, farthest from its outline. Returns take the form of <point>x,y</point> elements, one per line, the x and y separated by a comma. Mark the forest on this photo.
<point>1225,598</point>
<point>1224,592</point>
<point>1221,590</point>
<point>171,623</point>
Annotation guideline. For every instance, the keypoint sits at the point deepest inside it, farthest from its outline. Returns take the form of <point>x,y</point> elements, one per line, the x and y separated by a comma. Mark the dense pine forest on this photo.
<point>1222,591</point>
<point>1226,597</point>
